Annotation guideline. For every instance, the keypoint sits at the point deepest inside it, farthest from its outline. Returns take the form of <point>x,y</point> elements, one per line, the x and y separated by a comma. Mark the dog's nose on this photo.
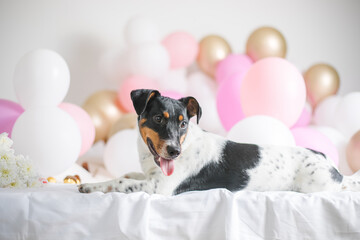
<point>173,151</point>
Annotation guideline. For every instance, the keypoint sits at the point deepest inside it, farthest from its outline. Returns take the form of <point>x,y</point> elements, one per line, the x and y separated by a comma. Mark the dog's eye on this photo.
<point>158,119</point>
<point>183,124</point>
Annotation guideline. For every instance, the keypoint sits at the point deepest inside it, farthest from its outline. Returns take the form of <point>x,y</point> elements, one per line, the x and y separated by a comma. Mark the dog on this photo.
<point>177,156</point>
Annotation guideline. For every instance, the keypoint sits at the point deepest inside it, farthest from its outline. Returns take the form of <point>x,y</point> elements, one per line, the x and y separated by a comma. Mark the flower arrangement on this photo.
<point>16,171</point>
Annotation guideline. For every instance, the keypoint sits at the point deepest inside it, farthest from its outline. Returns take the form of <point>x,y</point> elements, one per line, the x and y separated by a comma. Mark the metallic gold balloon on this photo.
<point>212,49</point>
<point>321,81</point>
<point>125,122</point>
<point>104,110</point>
<point>353,152</point>
<point>265,42</point>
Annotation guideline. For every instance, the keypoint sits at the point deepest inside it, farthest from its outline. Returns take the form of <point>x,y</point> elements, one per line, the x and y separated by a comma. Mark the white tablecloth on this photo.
<point>60,212</point>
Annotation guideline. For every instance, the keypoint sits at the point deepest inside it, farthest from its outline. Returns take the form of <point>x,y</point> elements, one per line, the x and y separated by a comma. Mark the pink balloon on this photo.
<point>132,83</point>
<point>311,138</point>
<point>172,94</point>
<point>273,87</point>
<point>304,118</point>
<point>232,64</point>
<point>228,101</point>
<point>85,124</point>
<point>182,48</point>
<point>9,113</point>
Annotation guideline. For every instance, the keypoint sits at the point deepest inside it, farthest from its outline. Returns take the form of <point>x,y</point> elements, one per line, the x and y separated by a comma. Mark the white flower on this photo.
<point>16,171</point>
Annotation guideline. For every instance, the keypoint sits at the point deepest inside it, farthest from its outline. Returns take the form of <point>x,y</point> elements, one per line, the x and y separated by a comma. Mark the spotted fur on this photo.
<point>209,161</point>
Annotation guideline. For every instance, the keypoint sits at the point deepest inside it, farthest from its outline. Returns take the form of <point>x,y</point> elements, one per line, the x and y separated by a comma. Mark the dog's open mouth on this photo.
<point>166,165</point>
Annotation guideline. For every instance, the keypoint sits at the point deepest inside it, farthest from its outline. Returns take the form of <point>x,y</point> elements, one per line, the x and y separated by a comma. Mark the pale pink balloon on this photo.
<point>311,138</point>
<point>232,64</point>
<point>228,101</point>
<point>133,83</point>
<point>84,122</point>
<point>182,47</point>
<point>273,87</point>
<point>172,94</point>
<point>305,117</point>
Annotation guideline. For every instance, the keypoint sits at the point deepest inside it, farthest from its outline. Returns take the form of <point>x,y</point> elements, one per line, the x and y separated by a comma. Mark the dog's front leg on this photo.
<point>122,184</point>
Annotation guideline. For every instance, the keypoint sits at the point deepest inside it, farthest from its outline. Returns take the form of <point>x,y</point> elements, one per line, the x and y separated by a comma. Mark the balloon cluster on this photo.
<point>52,133</point>
<point>254,97</point>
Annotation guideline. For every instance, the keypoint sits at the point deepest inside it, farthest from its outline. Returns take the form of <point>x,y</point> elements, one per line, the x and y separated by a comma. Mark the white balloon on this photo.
<point>149,59</point>
<point>174,80</point>
<point>121,153</point>
<point>141,30</point>
<point>261,129</point>
<point>41,78</point>
<point>324,113</point>
<point>201,86</point>
<point>50,137</point>
<point>340,142</point>
<point>347,115</point>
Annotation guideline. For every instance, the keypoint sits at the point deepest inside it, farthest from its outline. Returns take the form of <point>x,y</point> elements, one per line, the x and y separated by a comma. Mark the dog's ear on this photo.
<point>193,107</point>
<point>141,98</point>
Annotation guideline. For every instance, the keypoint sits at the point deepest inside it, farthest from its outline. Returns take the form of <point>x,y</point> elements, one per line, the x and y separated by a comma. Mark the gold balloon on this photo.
<point>212,49</point>
<point>353,152</point>
<point>265,42</point>
<point>104,110</point>
<point>125,122</point>
<point>321,81</point>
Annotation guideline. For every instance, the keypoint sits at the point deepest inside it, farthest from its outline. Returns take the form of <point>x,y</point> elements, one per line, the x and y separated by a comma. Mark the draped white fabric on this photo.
<point>60,212</point>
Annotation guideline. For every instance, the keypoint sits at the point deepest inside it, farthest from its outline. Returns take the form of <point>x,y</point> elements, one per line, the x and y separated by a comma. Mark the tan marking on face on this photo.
<point>109,188</point>
<point>182,138</point>
<point>142,121</point>
<point>166,114</point>
<point>146,132</point>
<point>181,117</point>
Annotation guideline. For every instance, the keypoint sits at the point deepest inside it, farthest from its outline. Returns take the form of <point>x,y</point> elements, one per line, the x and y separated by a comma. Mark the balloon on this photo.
<point>261,130</point>
<point>201,86</point>
<point>305,117</point>
<point>174,80</point>
<point>84,123</point>
<point>347,116</point>
<point>273,87</point>
<point>10,111</point>
<point>41,78</point>
<point>172,94</point>
<point>132,83</point>
<point>340,143</point>
<point>127,121</point>
<point>353,152</point>
<point>233,64</point>
<point>212,49</point>
<point>228,101</point>
<point>324,113</point>
<point>104,110</point>
<point>321,81</point>
<point>182,47</point>
<point>50,137</point>
<point>121,154</point>
<point>311,138</point>
<point>266,42</point>
<point>149,59</point>
<point>140,30</point>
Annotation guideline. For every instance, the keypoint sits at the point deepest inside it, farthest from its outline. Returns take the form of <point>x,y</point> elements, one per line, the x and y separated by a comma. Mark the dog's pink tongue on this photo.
<point>167,166</point>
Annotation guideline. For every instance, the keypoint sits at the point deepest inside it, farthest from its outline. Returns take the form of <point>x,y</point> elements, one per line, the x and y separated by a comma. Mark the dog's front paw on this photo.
<point>85,188</point>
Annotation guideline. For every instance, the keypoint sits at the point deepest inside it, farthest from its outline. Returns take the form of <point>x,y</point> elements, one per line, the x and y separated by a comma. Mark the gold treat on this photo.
<point>51,180</point>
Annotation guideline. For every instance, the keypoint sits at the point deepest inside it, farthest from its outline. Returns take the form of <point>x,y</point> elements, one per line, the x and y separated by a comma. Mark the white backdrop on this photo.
<point>81,31</point>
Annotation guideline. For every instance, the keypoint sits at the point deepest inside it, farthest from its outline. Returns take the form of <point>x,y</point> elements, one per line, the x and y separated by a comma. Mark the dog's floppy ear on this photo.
<point>141,98</point>
<point>193,107</point>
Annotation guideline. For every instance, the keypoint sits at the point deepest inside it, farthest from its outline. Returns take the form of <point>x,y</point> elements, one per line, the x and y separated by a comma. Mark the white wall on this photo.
<point>82,30</point>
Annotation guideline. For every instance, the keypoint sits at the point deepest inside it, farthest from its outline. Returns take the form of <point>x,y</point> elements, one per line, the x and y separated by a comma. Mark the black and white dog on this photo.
<point>177,156</point>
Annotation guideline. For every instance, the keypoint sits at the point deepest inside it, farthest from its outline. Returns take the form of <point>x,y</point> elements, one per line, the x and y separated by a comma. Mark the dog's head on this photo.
<point>163,124</point>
